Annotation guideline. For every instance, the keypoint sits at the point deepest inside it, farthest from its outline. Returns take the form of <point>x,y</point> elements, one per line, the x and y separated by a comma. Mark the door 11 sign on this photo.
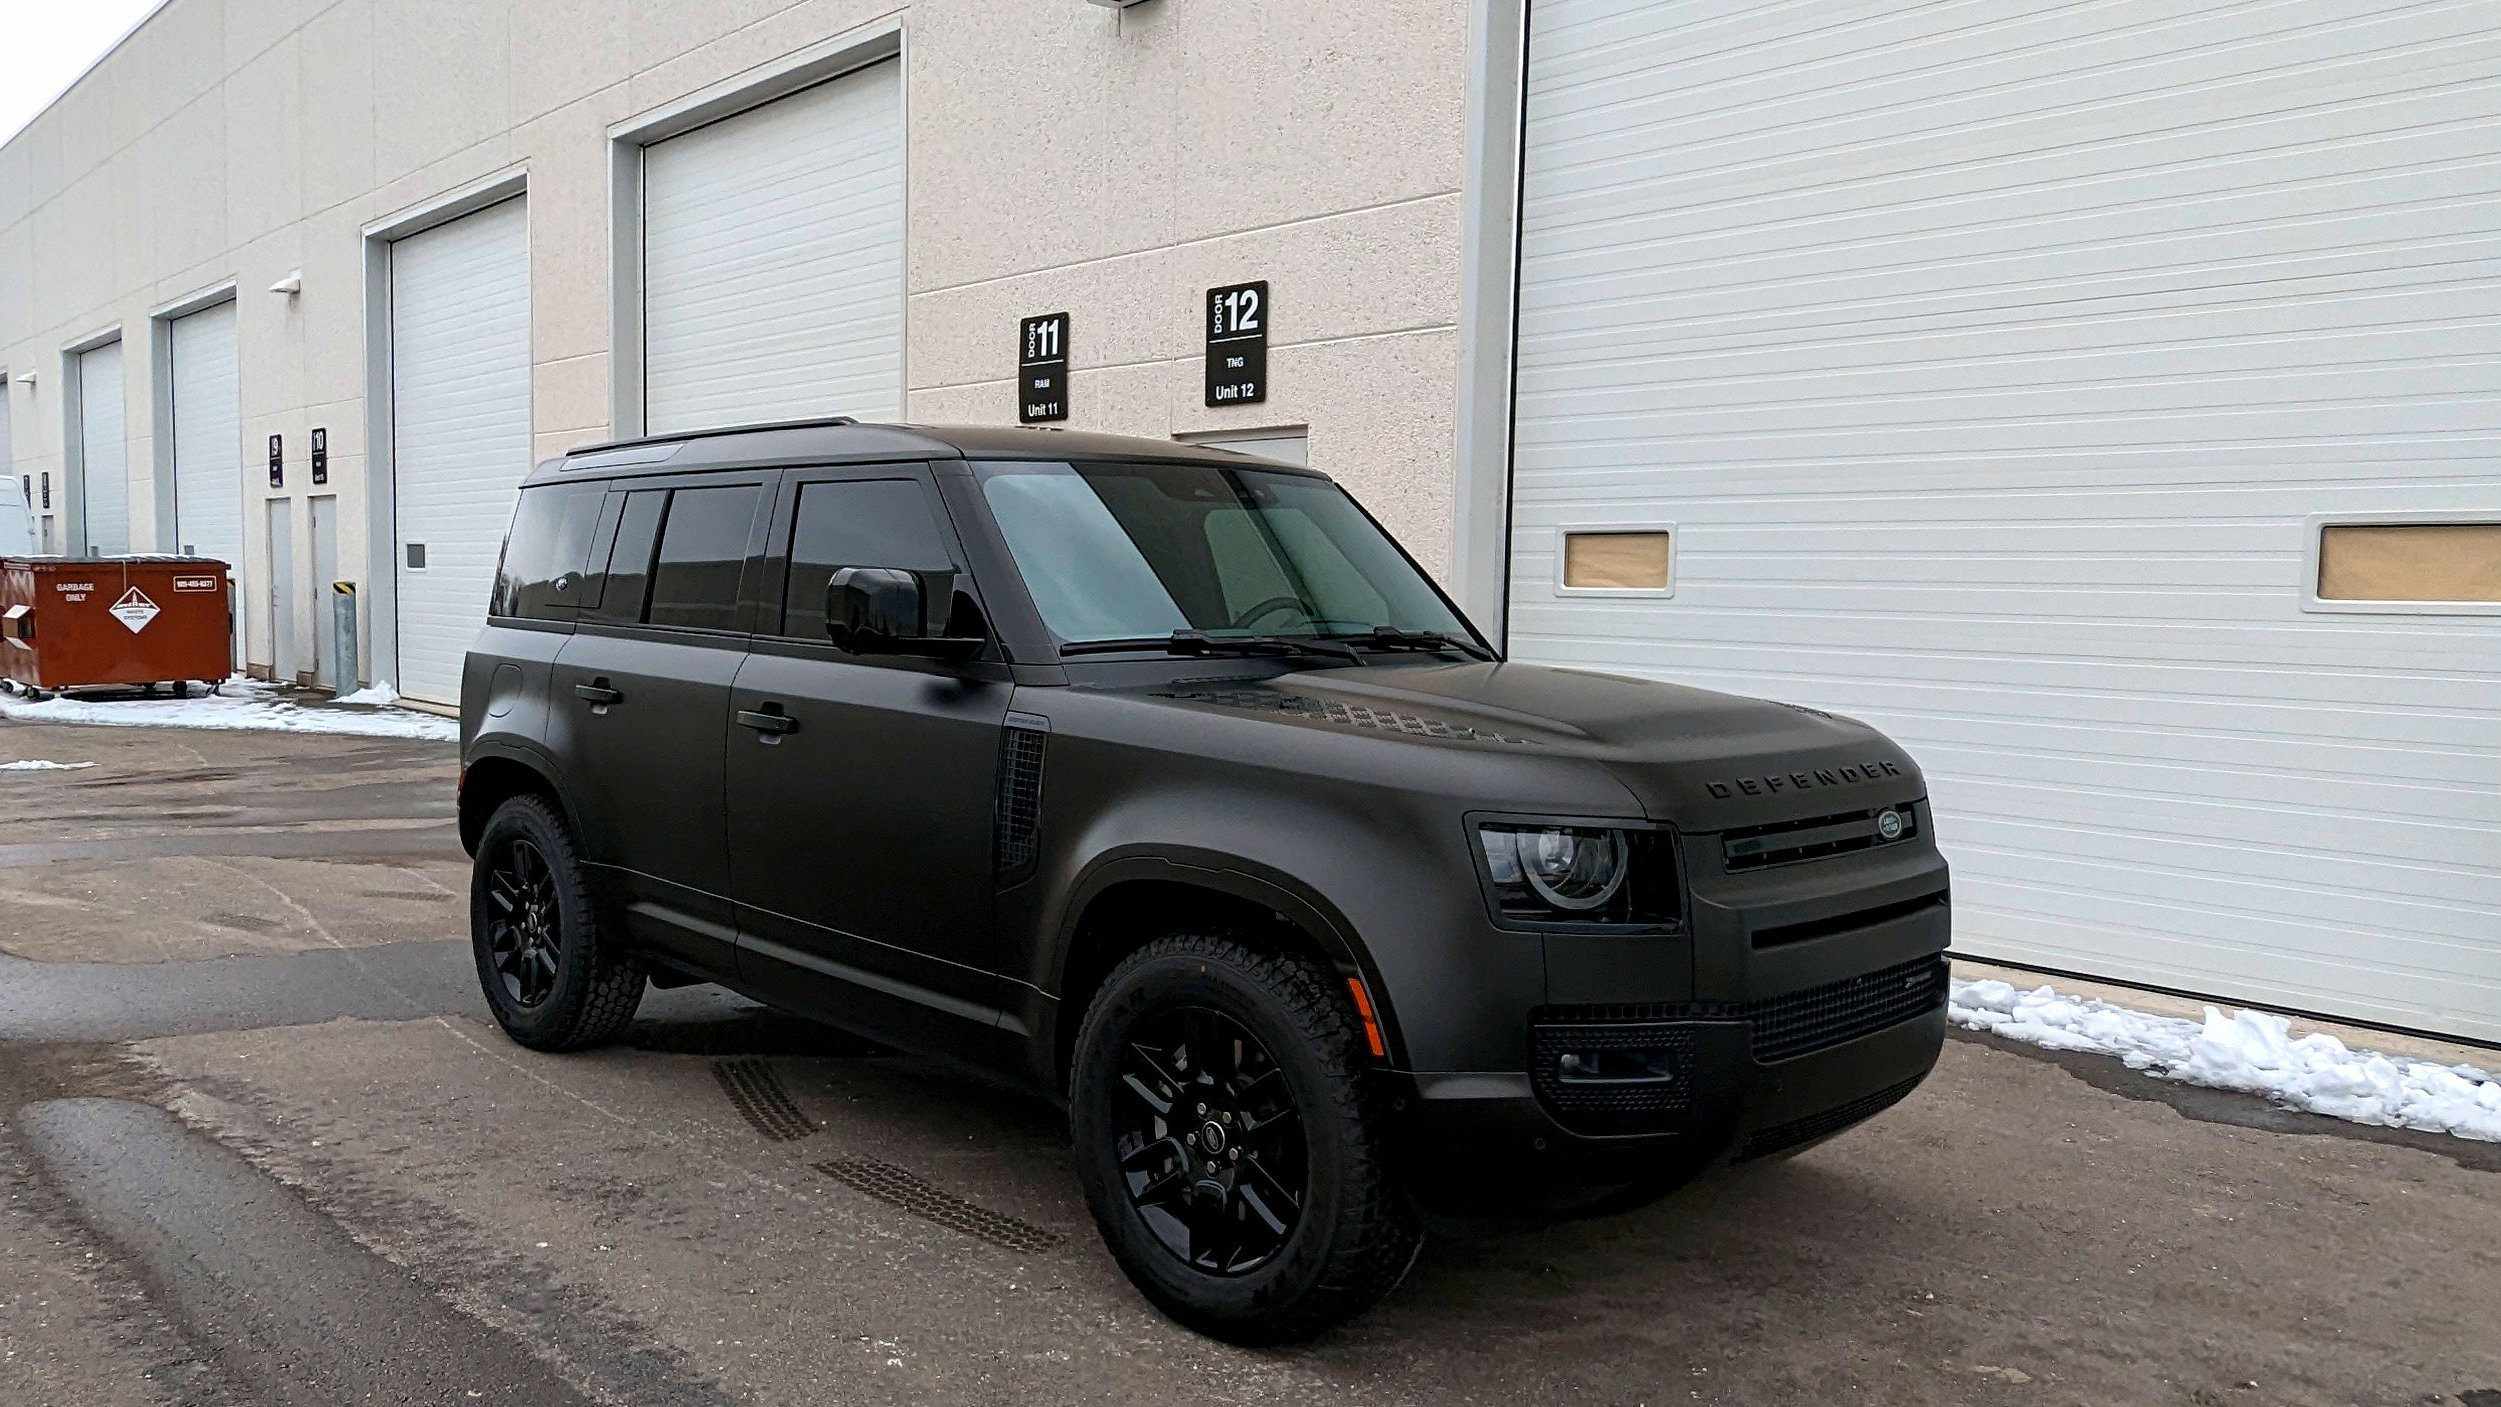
<point>1237,344</point>
<point>1042,369</point>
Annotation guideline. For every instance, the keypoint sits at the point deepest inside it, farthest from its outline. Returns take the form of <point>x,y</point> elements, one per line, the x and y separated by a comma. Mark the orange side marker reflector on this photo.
<point>1371,1023</point>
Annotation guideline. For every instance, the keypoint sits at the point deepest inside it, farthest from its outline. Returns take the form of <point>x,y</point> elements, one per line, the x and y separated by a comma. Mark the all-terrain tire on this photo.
<point>1357,1233</point>
<point>598,983</point>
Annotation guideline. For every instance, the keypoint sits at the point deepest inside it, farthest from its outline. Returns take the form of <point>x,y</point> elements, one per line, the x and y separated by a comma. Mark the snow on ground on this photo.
<point>37,764</point>
<point>379,695</point>
<point>2249,1051</point>
<point>240,705</point>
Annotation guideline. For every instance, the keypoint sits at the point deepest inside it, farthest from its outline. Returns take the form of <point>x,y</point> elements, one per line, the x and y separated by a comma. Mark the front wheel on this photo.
<point>553,980</point>
<point>1233,1142</point>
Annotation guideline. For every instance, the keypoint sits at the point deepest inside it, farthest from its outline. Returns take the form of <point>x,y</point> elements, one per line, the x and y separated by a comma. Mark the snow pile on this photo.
<point>37,764</point>
<point>2248,1051</point>
<point>240,705</point>
<point>380,695</point>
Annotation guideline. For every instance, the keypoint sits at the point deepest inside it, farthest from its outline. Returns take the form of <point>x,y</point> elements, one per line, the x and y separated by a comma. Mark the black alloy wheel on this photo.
<point>1210,1140</point>
<point>554,980</point>
<point>1233,1135</point>
<point>522,934</point>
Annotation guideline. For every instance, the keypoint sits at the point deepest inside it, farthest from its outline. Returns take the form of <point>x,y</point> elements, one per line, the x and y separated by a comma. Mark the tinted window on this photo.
<point>628,581</point>
<point>856,523</point>
<point>541,571</point>
<point>703,551</point>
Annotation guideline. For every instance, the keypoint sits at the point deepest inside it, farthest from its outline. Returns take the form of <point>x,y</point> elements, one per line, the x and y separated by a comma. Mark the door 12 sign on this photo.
<point>1042,369</point>
<point>1237,344</point>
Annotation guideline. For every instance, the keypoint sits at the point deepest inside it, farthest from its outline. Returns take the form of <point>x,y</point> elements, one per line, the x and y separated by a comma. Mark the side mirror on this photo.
<point>887,611</point>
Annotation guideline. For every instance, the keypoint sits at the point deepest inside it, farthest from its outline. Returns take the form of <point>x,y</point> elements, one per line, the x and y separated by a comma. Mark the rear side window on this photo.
<point>540,575</point>
<point>703,553</point>
<point>856,523</point>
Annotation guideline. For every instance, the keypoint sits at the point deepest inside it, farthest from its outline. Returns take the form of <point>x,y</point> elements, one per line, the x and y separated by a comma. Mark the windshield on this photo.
<point>1114,551</point>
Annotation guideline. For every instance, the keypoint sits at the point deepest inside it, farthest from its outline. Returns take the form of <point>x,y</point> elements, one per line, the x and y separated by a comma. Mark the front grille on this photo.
<point>1801,1022</point>
<point>1779,1138</point>
<point>1613,1107</point>
<point>1786,842</point>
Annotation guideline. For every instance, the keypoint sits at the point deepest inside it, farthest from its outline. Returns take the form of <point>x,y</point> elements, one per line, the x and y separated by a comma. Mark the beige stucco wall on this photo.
<point>1062,156</point>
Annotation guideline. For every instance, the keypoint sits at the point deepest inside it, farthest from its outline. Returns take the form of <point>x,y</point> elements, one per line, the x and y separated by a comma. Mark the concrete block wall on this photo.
<point>1062,156</point>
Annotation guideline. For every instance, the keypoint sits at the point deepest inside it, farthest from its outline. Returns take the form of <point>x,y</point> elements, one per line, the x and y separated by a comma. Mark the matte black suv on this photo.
<point>1161,782</point>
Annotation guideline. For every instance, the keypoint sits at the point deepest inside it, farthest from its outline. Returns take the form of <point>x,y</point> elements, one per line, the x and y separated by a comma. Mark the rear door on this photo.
<point>639,705</point>
<point>860,786</point>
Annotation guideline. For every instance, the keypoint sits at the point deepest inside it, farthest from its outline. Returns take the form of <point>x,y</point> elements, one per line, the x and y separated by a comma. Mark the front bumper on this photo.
<point>1747,1080</point>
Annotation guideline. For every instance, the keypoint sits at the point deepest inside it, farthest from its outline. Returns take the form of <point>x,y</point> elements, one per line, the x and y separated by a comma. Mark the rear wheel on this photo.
<point>1232,1142</point>
<point>551,977</point>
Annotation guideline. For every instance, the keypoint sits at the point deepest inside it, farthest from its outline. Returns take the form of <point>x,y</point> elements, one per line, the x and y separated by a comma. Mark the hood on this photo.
<point>1700,760</point>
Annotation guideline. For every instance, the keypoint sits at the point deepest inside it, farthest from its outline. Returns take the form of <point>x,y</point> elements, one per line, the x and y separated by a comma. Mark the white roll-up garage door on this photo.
<point>460,431</point>
<point>103,454</point>
<point>208,436</point>
<point>1986,363</point>
<point>773,260</point>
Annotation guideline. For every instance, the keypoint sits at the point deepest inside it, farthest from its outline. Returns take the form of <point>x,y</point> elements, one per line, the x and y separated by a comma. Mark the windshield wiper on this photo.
<point>1198,642</point>
<point>1391,637</point>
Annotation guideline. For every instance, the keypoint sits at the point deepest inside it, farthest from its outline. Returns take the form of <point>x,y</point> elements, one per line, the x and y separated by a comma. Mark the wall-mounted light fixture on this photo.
<point>291,285</point>
<point>26,378</point>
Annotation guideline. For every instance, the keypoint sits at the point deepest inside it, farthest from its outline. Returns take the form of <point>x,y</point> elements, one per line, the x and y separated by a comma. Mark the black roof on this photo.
<point>834,441</point>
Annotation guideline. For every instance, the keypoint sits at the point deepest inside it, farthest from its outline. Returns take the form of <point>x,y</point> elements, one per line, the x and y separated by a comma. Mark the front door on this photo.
<point>860,786</point>
<point>639,708</point>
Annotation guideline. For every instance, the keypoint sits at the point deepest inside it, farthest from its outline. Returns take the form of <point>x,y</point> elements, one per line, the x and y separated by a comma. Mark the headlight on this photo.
<point>1578,875</point>
<point>1573,869</point>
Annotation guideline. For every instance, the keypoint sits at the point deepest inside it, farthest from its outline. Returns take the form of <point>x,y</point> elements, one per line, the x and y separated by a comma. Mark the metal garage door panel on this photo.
<point>773,260</point>
<point>103,453</point>
<point>460,431</point>
<point>1988,363</point>
<point>208,436</point>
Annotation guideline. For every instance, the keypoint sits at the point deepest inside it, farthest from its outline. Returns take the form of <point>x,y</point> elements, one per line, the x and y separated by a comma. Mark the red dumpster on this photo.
<point>82,622</point>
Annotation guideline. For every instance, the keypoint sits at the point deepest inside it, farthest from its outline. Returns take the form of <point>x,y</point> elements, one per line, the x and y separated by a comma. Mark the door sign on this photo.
<point>1237,344</point>
<point>1042,369</point>
<point>134,610</point>
<point>321,456</point>
<point>277,461</point>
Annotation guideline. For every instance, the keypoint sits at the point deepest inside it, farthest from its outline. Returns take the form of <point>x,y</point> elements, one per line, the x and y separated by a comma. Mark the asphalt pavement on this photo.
<point>260,1144</point>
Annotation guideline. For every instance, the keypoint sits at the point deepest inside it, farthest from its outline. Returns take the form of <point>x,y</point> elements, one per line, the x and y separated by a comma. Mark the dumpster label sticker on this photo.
<point>134,610</point>
<point>198,583</point>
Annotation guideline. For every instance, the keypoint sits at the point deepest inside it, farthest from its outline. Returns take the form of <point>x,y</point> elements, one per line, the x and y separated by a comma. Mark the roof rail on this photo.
<point>812,423</point>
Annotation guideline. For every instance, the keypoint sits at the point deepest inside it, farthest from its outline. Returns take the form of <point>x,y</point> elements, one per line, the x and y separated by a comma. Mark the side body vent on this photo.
<point>1343,715</point>
<point>1016,816</point>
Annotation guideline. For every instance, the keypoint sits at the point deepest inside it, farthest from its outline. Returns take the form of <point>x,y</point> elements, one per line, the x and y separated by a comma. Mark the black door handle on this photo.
<point>769,720</point>
<point>598,693</point>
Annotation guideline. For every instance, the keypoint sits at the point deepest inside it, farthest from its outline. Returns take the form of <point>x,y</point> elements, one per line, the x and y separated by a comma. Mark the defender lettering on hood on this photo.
<point>1772,784</point>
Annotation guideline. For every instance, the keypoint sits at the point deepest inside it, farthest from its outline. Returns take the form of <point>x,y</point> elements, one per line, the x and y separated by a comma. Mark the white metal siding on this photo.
<point>460,430</point>
<point>773,260</point>
<point>103,456</point>
<point>1989,358</point>
<point>208,436</point>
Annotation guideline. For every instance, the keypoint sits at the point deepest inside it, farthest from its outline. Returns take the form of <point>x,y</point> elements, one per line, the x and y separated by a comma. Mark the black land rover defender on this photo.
<point>1161,782</point>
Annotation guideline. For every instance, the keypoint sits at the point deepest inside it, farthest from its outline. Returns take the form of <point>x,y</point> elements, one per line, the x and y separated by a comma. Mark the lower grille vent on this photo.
<point>1801,1022</point>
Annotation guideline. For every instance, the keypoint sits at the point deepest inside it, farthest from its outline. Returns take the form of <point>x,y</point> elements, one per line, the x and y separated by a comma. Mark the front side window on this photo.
<point>1114,551</point>
<point>702,555</point>
<point>856,523</point>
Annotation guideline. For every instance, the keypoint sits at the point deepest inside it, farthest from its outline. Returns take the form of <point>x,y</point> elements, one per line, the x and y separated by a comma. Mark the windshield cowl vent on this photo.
<point>1343,715</point>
